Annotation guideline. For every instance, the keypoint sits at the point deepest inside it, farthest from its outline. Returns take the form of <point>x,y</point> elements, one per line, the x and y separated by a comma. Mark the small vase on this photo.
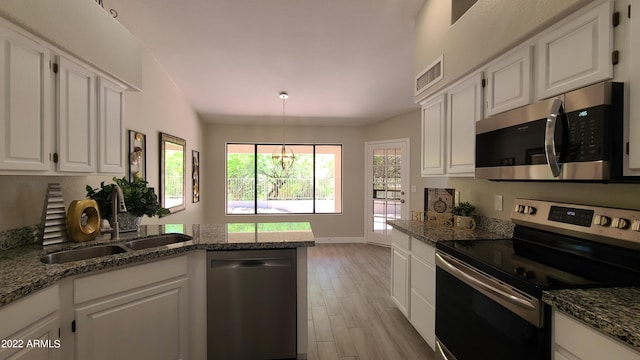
<point>128,222</point>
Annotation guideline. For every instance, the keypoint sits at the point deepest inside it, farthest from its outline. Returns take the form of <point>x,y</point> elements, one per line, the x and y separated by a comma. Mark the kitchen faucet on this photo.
<point>117,206</point>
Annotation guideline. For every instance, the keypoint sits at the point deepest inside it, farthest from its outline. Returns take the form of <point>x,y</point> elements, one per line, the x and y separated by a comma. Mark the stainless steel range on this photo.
<point>489,292</point>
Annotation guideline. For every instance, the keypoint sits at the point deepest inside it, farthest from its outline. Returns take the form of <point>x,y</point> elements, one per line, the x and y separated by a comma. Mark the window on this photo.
<point>256,185</point>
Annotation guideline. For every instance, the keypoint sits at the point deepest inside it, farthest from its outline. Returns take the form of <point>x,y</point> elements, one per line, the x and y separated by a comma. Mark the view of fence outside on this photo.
<point>255,184</point>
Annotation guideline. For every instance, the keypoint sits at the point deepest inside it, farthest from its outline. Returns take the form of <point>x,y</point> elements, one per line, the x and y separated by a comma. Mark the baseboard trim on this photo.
<point>339,240</point>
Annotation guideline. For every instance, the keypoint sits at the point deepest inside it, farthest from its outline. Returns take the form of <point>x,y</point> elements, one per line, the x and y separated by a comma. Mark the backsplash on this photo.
<point>10,239</point>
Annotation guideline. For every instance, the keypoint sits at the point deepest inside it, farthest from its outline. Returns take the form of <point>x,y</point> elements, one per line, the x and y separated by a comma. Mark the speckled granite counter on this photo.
<point>431,234</point>
<point>22,272</point>
<point>612,311</point>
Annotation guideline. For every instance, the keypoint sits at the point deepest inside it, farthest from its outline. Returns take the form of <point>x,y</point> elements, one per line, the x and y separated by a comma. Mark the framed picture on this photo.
<point>173,160</point>
<point>195,175</point>
<point>137,155</point>
<point>438,204</point>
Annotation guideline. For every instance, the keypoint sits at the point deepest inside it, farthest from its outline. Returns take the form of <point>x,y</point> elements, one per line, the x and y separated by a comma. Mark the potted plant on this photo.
<point>463,216</point>
<point>139,199</point>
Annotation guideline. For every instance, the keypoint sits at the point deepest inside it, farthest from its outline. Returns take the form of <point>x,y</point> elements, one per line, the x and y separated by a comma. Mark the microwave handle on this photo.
<point>549,137</point>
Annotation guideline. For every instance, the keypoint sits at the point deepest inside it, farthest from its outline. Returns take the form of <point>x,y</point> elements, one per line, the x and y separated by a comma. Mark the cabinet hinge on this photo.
<point>73,326</point>
<point>484,83</point>
<point>627,148</point>
<point>615,57</point>
<point>55,158</point>
<point>55,68</point>
<point>615,19</point>
<point>629,11</point>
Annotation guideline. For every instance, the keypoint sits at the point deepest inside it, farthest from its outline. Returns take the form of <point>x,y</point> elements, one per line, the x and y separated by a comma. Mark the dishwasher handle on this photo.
<point>250,263</point>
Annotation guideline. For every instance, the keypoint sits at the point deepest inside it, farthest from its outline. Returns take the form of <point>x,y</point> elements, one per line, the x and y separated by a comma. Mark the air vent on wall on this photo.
<point>429,76</point>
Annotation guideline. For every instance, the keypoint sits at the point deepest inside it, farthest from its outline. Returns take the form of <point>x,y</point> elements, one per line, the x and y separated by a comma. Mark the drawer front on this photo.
<point>96,286</point>
<point>400,239</point>
<point>424,251</point>
<point>423,279</point>
<point>573,339</point>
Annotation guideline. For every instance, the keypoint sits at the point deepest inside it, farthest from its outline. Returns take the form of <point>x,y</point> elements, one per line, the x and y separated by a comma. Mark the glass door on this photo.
<point>387,182</point>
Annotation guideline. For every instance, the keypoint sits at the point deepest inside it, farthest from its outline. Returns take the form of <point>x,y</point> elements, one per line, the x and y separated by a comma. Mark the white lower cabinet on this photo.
<point>30,327</point>
<point>423,291</point>
<point>573,340</point>
<point>140,312</point>
<point>413,283</point>
<point>400,279</point>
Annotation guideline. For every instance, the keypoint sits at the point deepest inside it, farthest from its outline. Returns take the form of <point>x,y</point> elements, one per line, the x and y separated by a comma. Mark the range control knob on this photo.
<point>601,220</point>
<point>620,223</point>
<point>519,208</point>
<point>635,225</point>
<point>529,210</point>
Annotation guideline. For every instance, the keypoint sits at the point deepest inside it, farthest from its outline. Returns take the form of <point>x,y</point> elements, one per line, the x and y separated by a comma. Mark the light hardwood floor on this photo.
<point>351,315</point>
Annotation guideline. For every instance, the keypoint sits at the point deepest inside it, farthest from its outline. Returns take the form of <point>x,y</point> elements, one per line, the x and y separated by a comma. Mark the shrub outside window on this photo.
<point>256,185</point>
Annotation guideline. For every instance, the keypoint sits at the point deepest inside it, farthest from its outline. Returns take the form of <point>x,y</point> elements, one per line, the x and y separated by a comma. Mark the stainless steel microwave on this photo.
<point>576,136</point>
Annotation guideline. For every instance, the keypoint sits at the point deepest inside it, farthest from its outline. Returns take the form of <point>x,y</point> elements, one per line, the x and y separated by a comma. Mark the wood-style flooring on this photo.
<point>351,315</point>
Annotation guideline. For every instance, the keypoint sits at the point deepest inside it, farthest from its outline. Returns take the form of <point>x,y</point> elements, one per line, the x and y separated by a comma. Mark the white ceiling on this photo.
<point>343,62</point>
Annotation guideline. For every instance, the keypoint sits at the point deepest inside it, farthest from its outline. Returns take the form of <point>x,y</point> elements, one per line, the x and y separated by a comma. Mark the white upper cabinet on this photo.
<point>509,82</point>
<point>110,127</point>
<point>464,108</point>
<point>25,103</point>
<point>56,112</point>
<point>577,53</point>
<point>77,128</point>
<point>433,136</point>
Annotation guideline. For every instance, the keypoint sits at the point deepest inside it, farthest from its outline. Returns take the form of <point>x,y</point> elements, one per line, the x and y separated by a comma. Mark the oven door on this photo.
<point>479,317</point>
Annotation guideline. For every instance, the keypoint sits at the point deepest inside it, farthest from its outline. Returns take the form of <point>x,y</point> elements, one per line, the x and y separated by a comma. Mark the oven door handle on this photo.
<point>474,279</point>
<point>549,137</point>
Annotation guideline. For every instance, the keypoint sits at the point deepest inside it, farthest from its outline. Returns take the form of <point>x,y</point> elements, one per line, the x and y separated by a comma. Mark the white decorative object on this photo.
<point>54,224</point>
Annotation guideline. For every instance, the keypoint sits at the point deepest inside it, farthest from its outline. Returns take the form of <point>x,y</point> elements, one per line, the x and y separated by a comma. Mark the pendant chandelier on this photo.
<point>283,156</point>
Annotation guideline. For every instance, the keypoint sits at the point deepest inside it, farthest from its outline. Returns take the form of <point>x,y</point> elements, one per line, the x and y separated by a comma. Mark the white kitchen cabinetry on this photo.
<point>573,340</point>
<point>111,139</point>
<point>423,290</point>
<point>26,116</point>
<point>413,283</point>
<point>82,134</point>
<point>577,53</point>
<point>134,313</point>
<point>76,100</point>
<point>30,327</point>
<point>509,82</point>
<point>400,270</point>
<point>433,136</point>
<point>464,108</point>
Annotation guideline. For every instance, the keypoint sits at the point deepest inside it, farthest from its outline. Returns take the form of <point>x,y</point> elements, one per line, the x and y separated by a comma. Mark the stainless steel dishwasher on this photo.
<point>251,304</point>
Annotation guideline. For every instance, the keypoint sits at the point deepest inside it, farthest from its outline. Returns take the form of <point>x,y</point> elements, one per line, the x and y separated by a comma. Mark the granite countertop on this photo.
<point>431,234</point>
<point>612,311</point>
<point>22,272</point>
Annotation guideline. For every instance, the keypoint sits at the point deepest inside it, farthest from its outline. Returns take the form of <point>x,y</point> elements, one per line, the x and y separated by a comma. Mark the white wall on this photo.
<point>403,126</point>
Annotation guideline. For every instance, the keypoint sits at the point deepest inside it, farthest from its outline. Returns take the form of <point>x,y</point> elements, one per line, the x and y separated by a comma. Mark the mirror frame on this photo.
<point>164,139</point>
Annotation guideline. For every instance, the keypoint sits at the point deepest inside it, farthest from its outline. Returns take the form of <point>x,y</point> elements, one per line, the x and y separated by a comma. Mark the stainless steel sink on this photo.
<point>81,254</point>
<point>155,241</point>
